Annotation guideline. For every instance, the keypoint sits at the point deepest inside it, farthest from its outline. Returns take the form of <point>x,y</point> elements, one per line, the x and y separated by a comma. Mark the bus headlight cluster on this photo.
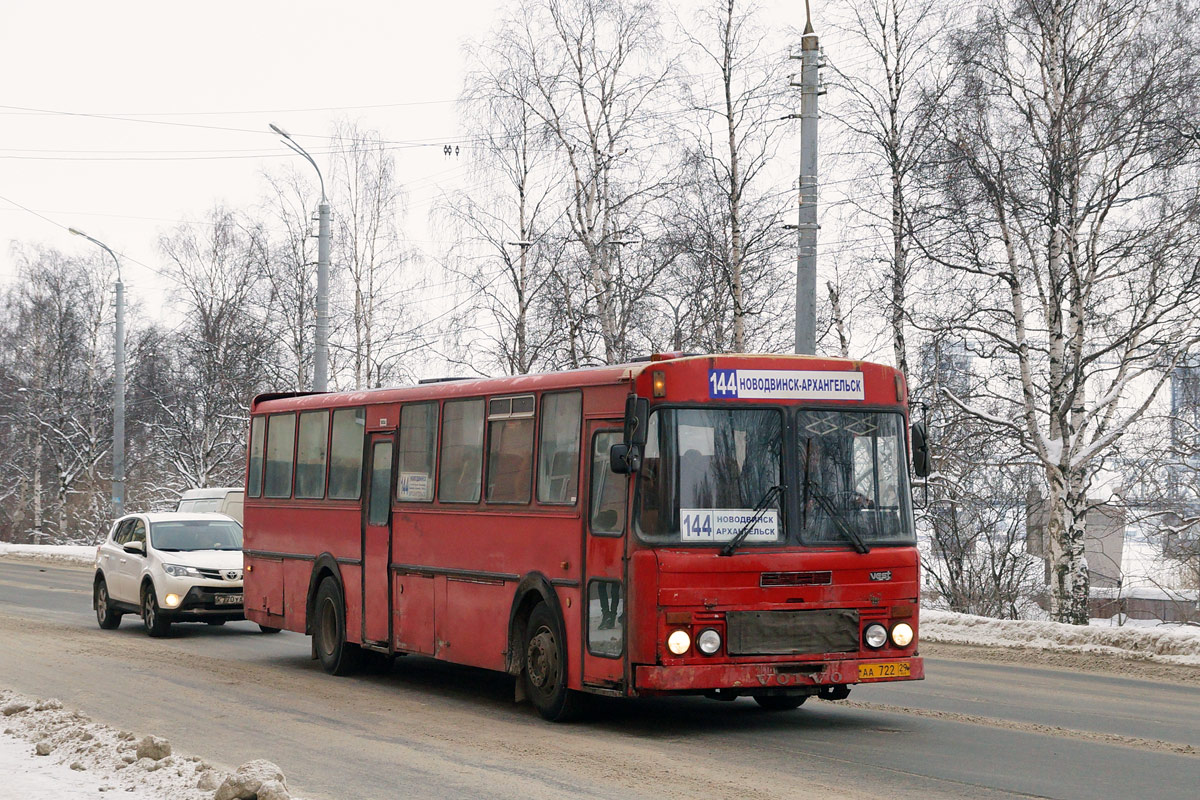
<point>902,634</point>
<point>875,636</point>
<point>708,642</point>
<point>679,642</point>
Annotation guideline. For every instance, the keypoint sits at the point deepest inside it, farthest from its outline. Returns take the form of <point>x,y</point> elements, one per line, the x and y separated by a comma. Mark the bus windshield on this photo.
<point>853,478</point>
<point>705,471</point>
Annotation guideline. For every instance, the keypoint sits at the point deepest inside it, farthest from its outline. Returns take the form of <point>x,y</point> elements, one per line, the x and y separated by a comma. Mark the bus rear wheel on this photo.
<point>780,702</point>
<point>545,668</point>
<point>337,656</point>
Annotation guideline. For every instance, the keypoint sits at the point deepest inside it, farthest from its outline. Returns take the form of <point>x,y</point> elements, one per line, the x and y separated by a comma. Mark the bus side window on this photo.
<point>459,474</point>
<point>558,452</point>
<point>310,458</point>
<point>418,437</point>
<point>510,449</point>
<point>346,453</point>
<point>608,488</point>
<point>281,445</point>
<point>258,429</point>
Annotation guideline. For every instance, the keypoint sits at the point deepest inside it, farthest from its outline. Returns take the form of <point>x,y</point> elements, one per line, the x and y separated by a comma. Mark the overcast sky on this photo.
<point>122,118</point>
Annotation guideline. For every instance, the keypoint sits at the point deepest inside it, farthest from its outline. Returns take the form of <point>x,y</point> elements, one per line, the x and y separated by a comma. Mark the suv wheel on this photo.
<point>106,615</point>
<point>156,624</point>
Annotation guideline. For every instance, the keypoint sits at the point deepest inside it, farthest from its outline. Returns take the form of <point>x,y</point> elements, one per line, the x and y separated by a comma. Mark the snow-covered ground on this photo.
<point>65,553</point>
<point>48,752</point>
<point>1168,644</point>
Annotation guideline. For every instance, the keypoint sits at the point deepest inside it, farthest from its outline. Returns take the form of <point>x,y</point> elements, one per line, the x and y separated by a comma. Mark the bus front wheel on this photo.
<point>337,656</point>
<point>545,668</point>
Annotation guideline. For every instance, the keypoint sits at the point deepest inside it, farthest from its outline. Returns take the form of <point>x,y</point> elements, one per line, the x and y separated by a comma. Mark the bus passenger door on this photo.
<point>604,570</point>
<point>377,543</point>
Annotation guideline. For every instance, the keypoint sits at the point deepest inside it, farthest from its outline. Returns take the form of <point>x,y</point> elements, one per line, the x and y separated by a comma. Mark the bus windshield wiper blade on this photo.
<point>825,503</point>
<point>759,510</point>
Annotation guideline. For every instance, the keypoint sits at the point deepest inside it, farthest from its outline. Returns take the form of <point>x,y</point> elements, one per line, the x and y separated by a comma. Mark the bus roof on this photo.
<point>565,379</point>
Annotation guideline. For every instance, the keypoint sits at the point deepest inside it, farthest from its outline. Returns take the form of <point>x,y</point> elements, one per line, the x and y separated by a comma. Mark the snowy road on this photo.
<point>971,729</point>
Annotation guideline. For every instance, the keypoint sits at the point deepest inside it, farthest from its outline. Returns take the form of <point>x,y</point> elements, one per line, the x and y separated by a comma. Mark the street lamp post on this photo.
<point>118,446</point>
<point>321,339</point>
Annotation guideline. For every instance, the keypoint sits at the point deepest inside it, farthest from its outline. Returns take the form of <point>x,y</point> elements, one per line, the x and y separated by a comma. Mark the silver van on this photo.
<point>227,501</point>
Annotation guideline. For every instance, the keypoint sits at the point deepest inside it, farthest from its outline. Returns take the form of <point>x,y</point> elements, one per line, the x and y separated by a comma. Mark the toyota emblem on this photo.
<point>232,575</point>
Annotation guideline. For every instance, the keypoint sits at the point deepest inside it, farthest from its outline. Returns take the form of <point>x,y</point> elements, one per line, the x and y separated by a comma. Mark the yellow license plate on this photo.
<point>897,669</point>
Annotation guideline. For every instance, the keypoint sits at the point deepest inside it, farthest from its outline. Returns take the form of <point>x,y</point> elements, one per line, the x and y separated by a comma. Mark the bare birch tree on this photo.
<point>597,75</point>
<point>887,103</point>
<point>368,255</point>
<point>503,225</point>
<point>59,333</point>
<point>217,356</point>
<point>1070,211</point>
<point>290,273</point>
<point>739,238</point>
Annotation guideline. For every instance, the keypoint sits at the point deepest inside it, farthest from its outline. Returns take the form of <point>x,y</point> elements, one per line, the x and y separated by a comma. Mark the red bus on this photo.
<point>725,525</point>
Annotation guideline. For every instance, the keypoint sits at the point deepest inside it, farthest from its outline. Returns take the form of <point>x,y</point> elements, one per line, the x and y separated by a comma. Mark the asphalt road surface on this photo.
<point>973,728</point>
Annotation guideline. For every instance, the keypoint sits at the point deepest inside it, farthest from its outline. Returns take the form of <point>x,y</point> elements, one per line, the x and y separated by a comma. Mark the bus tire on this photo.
<point>545,667</point>
<point>780,702</point>
<point>337,656</point>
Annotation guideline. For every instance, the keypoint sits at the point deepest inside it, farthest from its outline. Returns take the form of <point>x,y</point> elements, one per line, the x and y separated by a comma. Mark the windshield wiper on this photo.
<point>823,500</point>
<point>759,509</point>
<point>825,503</point>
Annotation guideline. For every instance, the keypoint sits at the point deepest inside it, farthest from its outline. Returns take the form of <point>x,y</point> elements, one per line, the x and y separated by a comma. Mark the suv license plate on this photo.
<point>898,669</point>
<point>227,599</point>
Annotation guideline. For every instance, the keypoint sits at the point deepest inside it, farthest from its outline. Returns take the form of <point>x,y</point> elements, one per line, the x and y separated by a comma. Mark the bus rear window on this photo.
<point>281,442</point>
<point>258,430</point>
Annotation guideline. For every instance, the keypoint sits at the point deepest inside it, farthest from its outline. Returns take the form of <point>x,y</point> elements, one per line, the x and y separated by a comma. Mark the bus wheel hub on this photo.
<point>542,659</point>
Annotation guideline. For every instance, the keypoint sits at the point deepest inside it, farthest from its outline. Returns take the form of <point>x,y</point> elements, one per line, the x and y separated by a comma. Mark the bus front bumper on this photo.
<point>749,678</point>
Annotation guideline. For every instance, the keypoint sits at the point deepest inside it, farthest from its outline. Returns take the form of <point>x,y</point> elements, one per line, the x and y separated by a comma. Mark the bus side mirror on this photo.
<point>920,451</point>
<point>637,414</point>
<point>625,459</point>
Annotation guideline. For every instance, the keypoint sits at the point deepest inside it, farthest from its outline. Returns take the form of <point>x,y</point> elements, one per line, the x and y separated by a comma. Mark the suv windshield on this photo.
<point>196,534</point>
<point>705,470</point>
<point>853,478</point>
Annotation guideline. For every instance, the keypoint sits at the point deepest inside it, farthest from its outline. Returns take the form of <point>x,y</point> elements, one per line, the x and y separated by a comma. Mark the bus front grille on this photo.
<point>777,633</point>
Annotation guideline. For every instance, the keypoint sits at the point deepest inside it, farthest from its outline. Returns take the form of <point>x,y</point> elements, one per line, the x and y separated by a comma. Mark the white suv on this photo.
<point>169,568</point>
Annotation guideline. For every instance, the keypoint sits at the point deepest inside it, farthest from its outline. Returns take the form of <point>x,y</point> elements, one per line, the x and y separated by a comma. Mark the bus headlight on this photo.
<point>875,636</point>
<point>708,642</point>
<point>902,634</point>
<point>679,642</point>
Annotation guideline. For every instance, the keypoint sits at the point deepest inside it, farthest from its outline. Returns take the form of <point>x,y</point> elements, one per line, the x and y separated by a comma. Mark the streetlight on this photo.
<point>118,446</point>
<point>321,343</point>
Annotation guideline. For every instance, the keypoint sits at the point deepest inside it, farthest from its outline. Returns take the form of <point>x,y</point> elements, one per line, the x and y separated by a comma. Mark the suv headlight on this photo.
<point>177,571</point>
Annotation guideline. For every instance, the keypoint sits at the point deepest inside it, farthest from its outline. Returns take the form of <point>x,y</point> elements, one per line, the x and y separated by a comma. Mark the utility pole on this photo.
<point>806,257</point>
<point>321,338</point>
<point>118,445</point>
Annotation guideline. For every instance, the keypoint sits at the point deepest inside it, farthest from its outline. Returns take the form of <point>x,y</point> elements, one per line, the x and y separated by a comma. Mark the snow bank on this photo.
<point>84,554</point>
<point>48,752</point>
<point>1164,644</point>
